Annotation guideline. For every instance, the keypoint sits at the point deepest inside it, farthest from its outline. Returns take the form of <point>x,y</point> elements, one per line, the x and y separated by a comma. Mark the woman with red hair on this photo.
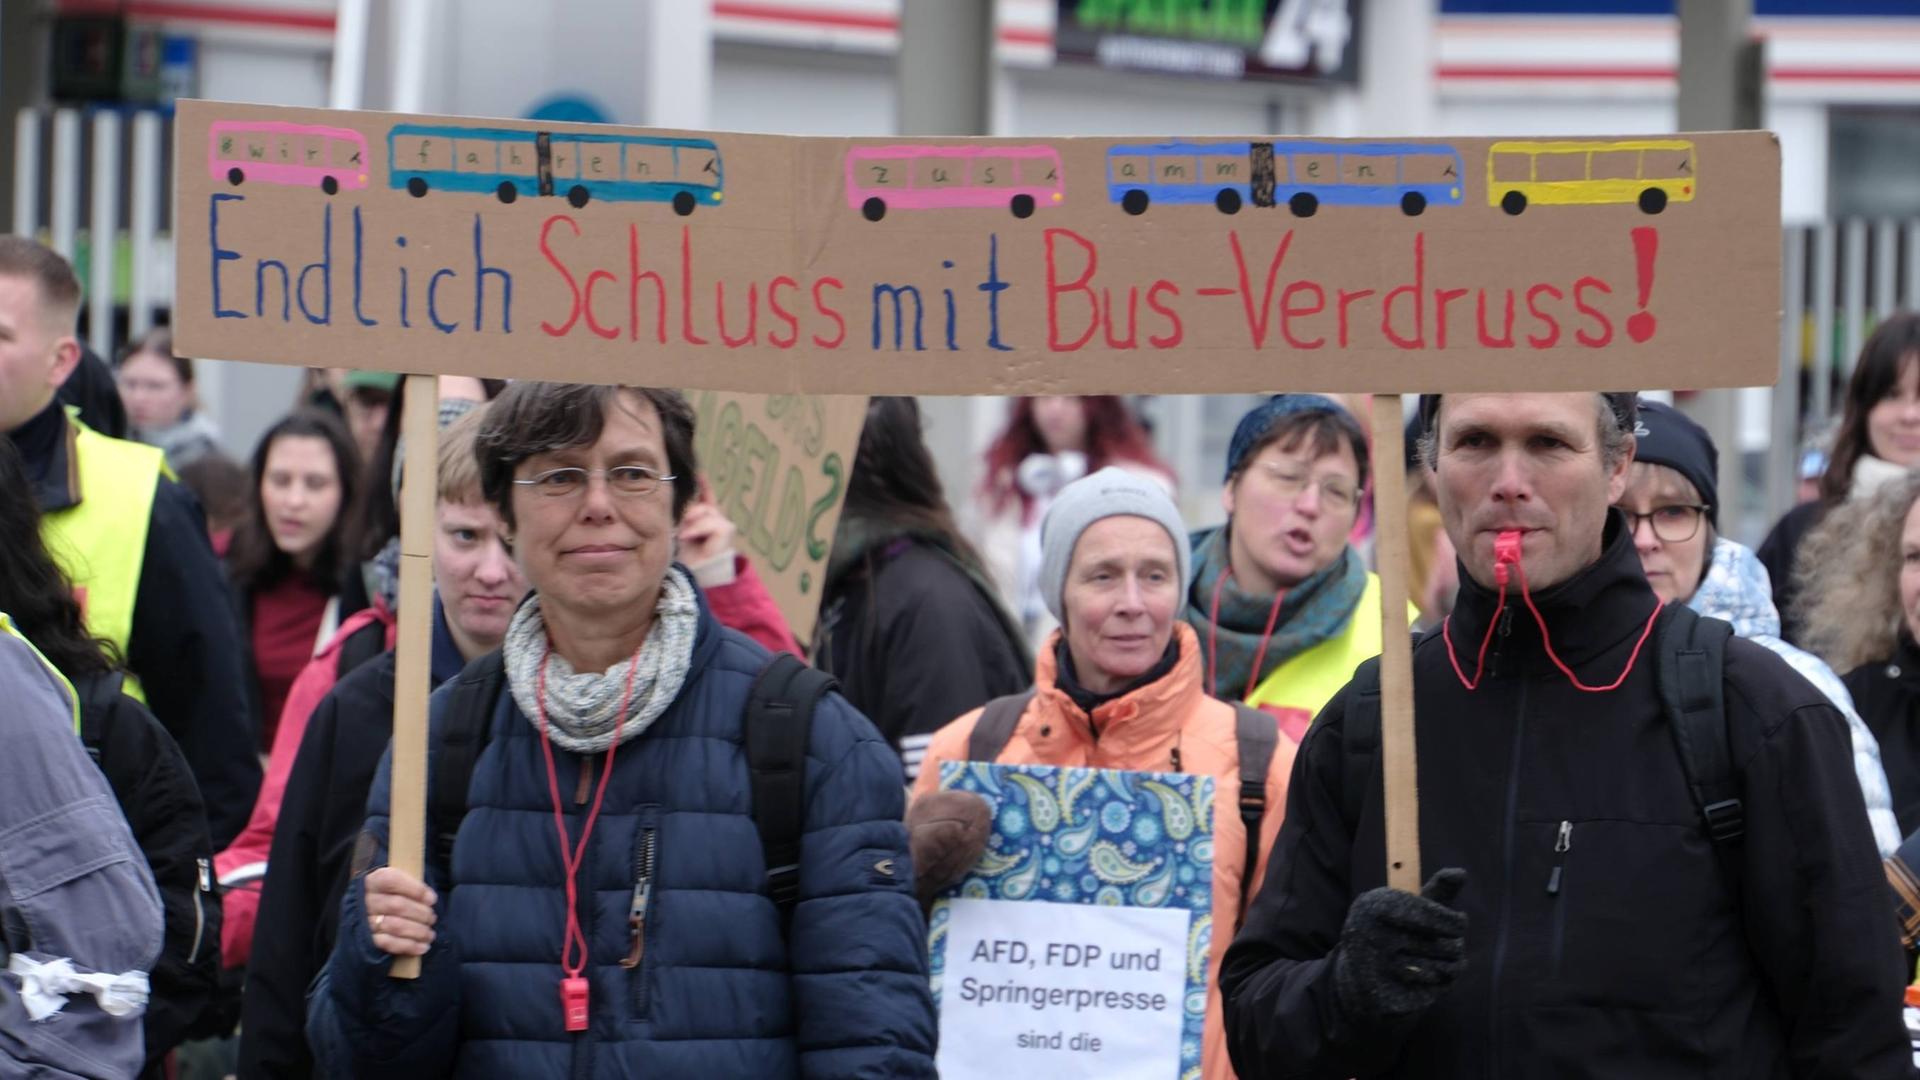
<point>1048,443</point>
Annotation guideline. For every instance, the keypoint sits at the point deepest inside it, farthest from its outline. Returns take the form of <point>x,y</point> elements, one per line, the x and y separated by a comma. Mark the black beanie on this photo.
<point>1666,436</point>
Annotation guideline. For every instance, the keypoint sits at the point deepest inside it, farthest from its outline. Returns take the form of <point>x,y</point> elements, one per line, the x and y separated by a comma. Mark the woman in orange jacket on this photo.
<point>1119,685</point>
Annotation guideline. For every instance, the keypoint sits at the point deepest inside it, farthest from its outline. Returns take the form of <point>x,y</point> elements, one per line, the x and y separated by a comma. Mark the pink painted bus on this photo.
<point>297,155</point>
<point>1019,178</point>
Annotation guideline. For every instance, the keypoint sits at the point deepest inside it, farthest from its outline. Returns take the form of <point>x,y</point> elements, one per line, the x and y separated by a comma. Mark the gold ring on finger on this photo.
<point>377,920</point>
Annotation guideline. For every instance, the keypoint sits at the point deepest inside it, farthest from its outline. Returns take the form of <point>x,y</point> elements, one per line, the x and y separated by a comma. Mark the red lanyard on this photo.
<point>1506,551</point>
<point>1213,624</point>
<point>573,988</point>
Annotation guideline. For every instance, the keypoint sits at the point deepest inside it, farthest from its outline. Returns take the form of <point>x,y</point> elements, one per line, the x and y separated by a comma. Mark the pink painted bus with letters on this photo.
<point>297,155</point>
<point>1019,178</point>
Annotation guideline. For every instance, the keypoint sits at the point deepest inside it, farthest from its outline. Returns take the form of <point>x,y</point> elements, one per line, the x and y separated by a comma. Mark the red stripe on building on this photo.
<point>234,14</point>
<point>1577,74</point>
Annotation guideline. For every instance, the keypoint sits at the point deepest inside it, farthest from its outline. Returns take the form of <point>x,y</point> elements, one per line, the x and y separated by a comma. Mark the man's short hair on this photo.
<point>459,466</point>
<point>22,256</point>
<point>1614,426</point>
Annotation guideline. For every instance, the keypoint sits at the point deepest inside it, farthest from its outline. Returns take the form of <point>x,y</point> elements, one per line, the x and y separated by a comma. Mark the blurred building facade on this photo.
<point>1842,91</point>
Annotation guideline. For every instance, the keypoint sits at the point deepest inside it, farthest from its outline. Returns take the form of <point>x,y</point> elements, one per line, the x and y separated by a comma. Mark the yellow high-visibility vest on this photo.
<point>100,542</point>
<point>9,629</point>
<point>1308,680</point>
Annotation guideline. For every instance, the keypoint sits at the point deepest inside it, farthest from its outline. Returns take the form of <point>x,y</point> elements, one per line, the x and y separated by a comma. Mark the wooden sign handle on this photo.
<point>1402,791</point>
<point>413,644</point>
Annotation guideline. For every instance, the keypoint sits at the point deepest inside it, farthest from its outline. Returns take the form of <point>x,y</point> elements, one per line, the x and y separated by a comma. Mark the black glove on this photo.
<point>1399,952</point>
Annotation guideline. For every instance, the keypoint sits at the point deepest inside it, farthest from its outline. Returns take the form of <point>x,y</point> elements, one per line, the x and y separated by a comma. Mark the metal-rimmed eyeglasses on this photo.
<point>1289,484</point>
<point>1672,524</point>
<point>571,480</point>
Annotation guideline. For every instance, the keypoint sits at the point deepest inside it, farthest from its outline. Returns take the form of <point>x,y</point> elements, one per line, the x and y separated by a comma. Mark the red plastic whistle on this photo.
<point>573,1002</point>
<point>1506,552</point>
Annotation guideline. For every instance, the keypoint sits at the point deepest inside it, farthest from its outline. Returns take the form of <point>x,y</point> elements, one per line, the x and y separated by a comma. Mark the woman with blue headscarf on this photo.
<point>1284,606</point>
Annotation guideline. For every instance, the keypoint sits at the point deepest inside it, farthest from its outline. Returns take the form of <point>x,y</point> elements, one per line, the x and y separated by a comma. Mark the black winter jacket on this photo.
<point>1887,696</point>
<point>321,811</point>
<point>155,789</point>
<point>916,641</point>
<point>1648,963</point>
<point>183,646</point>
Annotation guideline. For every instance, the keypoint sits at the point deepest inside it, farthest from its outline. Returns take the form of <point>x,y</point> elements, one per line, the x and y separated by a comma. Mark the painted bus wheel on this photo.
<point>1134,202</point>
<point>417,187</point>
<point>1022,206</point>
<point>577,196</point>
<point>1513,203</point>
<point>1653,200</point>
<point>329,185</point>
<point>1303,204</point>
<point>1227,201</point>
<point>506,192</point>
<point>683,203</point>
<point>235,176</point>
<point>1413,203</point>
<point>873,209</point>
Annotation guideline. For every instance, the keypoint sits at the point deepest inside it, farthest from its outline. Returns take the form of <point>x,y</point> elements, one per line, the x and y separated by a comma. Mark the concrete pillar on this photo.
<point>1719,91</point>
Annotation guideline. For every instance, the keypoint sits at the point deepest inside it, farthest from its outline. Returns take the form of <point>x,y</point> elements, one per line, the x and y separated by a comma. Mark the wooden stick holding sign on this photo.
<point>1397,766</point>
<point>413,645</point>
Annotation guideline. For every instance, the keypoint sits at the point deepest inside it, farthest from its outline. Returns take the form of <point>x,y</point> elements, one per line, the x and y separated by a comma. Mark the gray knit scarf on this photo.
<point>580,708</point>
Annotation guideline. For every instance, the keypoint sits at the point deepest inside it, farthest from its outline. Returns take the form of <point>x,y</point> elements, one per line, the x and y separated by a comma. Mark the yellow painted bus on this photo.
<point>1648,172</point>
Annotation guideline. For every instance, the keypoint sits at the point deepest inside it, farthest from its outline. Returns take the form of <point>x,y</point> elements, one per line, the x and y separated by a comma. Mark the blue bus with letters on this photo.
<point>1302,174</point>
<point>509,163</point>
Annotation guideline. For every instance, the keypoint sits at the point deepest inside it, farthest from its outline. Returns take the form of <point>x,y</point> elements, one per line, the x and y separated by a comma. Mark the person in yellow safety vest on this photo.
<point>1284,607</point>
<point>132,542</point>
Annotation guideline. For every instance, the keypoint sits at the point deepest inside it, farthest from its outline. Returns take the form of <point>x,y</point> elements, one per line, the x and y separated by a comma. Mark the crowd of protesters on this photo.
<point>1667,783</point>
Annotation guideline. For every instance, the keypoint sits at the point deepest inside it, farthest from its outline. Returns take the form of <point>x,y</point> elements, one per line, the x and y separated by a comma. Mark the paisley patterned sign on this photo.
<point>1102,837</point>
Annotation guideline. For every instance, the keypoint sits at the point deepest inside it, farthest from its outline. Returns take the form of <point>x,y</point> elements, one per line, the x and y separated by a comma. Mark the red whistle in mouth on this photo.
<point>1506,552</point>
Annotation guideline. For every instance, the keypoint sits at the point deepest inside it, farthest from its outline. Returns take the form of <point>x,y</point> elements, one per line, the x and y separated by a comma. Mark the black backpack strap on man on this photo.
<point>1689,668</point>
<point>779,720</point>
<point>1256,733</point>
<point>361,646</point>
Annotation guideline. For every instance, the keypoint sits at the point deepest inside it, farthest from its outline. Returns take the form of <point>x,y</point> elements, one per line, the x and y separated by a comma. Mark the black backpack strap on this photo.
<point>98,695</point>
<point>1689,669</point>
<point>995,726</point>
<point>463,735</point>
<point>360,646</point>
<point>1257,733</point>
<point>1360,732</point>
<point>778,720</point>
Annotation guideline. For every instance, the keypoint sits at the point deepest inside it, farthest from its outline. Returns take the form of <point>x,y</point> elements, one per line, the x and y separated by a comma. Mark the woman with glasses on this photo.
<point>1284,607</point>
<point>603,909</point>
<point>1672,504</point>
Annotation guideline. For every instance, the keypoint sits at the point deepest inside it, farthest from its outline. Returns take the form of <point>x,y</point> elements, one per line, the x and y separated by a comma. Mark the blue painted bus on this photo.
<point>508,163</point>
<point>1302,174</point>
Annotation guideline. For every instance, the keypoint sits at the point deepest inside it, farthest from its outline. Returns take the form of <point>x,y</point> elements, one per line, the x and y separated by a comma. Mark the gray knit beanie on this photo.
<point>1111,492</point>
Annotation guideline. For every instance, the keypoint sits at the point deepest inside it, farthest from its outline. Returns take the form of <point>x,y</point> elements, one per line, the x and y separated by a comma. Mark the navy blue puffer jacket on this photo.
<point>719,991</point>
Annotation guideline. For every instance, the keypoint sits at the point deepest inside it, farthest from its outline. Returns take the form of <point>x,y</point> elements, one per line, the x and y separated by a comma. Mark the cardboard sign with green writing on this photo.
<point>778,466</point>
<point>1009,266</point>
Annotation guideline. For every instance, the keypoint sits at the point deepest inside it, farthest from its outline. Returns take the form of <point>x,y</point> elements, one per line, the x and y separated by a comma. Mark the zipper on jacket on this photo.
<point>640,913</point>
<point>1556,883</point>
<point>1506,890</point>
<point>203,885</point>
<point>1562,843</point>
<point>642,896</point>
<point>1501,631</point>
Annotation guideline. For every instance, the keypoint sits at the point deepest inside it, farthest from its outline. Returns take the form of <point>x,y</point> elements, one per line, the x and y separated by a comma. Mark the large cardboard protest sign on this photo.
<point>778,466</point>
<point>1078,945</point>
<point>828,265</point>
